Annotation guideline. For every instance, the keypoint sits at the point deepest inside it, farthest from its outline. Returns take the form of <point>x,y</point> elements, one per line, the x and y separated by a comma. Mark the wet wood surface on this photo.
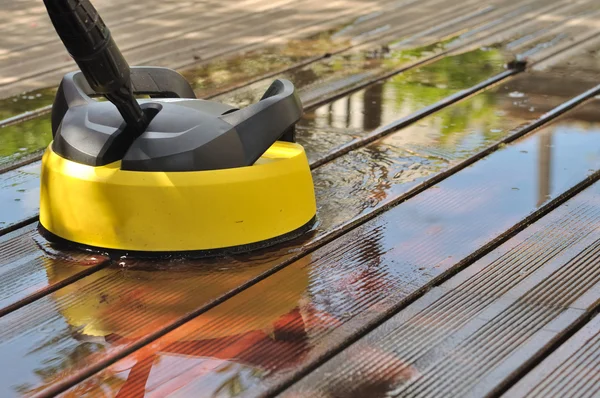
<point>458,208</point>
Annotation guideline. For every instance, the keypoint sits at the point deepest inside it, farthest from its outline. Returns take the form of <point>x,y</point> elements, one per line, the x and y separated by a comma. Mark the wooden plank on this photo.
<point>473,334</point>
<point>176,45</point>
<point>26,263</point>
<point>343,73</point>
<point>248,17</point>
<point>569,372</point>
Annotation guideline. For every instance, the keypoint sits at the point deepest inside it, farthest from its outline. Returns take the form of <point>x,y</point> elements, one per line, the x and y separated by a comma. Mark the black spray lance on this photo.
<point>89,42</point>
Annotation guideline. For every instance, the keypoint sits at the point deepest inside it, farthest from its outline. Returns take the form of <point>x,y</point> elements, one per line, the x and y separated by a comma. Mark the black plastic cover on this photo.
<point>184,134</point>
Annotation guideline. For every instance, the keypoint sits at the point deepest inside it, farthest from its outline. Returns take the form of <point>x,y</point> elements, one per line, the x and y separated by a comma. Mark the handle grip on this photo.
<point>89,42</point>
<point>265,122</point>
<point>156,82</point>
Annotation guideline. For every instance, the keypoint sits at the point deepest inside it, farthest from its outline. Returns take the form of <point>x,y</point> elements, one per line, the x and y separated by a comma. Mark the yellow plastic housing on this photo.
<point>110,208</point>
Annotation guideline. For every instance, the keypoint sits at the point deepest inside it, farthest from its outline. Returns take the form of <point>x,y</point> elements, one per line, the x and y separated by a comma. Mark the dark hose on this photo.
<point>89,42</point>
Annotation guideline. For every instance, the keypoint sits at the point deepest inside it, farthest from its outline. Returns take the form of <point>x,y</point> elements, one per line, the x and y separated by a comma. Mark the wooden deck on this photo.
<point>456,252</point>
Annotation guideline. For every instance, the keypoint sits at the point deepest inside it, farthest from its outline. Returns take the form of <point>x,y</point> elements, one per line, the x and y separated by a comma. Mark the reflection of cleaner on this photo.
<point>171,173</point>
<point>240,338</point>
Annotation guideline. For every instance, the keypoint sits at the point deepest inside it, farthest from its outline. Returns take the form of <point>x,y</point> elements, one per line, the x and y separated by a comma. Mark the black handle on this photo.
<point>90,43</point>
<point>265,122</point>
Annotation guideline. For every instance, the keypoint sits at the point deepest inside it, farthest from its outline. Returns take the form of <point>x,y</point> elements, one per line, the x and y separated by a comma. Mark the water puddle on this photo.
<point>405,93</point>
<point>323,78</point>
<point>25,265</point>
<point>111,308</point>
<point>274,328</point>
<point>26,102</point>
<point>279,326</point>
<point>339,122</point>
<point>20,194</point>
<point>460,318</point>
<point>22,139</point>
<point>366,178</point>
<point>223,75</point>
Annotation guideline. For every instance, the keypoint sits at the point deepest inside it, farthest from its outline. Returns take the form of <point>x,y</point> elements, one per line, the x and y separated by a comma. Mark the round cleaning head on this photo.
<point>172,173</point>
<point>197,213</point>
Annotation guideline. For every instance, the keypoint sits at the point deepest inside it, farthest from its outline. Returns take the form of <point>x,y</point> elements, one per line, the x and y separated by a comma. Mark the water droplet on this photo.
<point>516,94</point>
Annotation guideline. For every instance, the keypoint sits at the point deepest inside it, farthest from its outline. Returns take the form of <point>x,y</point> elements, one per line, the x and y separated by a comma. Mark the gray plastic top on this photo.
<point>184,134</point>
